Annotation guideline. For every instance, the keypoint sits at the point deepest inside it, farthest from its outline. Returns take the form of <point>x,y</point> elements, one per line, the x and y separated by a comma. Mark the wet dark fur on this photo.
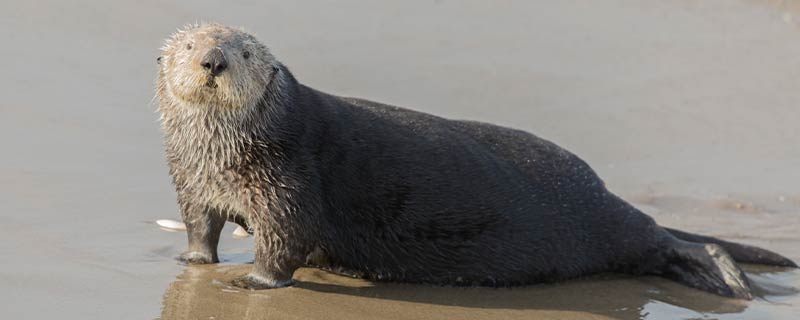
<point>392,194</point>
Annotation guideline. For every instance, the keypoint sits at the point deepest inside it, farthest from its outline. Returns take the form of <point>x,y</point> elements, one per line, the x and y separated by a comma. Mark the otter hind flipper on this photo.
<point>706,267</point>
<point>740,252</point>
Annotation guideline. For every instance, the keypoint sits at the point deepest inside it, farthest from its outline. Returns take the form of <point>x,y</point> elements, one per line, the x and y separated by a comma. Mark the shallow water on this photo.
<point>688,109</point>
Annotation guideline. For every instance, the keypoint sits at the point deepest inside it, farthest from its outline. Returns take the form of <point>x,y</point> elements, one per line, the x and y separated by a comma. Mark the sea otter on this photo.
<point>388,193</point>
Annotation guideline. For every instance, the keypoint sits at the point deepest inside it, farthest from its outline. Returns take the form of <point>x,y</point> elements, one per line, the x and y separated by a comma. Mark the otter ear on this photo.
<point>158,60</point>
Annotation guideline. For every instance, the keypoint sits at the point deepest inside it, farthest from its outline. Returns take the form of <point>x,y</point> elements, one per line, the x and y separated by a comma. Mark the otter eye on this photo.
<point>246,54</point>
<point>158,60</point>
<point>188,46</point>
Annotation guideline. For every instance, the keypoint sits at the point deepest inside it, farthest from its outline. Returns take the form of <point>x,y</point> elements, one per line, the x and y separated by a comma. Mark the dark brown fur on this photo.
<point>392,194</point>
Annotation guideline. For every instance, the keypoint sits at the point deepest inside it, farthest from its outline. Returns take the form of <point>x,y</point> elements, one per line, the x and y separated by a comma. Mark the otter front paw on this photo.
<point>255,282</point>
<point>195,257</point>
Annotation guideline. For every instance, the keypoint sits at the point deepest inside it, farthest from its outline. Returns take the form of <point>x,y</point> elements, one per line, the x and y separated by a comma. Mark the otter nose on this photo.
<point>214,61</point>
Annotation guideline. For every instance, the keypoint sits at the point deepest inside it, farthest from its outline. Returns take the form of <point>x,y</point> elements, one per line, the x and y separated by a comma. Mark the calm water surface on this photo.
<point>688,109</point>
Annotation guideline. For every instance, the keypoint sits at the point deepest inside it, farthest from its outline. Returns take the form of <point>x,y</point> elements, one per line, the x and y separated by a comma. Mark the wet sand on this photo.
<point>688,109</point>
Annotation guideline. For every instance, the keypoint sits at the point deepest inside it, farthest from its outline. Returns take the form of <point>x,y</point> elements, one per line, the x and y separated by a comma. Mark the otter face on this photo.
<point>215,66</point>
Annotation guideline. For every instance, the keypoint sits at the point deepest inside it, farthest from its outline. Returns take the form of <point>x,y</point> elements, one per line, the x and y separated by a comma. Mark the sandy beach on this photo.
<point>688,109</point>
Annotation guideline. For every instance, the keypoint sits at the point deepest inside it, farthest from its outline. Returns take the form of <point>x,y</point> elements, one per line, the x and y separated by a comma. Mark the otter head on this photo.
<point>215,66</point>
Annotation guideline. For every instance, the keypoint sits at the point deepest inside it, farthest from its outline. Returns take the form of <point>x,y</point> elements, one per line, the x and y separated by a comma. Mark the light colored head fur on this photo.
<point>183,79</point>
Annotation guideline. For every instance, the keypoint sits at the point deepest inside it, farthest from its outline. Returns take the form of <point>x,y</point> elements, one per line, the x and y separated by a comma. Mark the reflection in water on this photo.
<point>203,292</point>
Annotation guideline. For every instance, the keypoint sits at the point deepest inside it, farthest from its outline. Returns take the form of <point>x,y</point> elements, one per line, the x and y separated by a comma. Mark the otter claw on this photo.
<point>194,257</point>
<point>258,283</point>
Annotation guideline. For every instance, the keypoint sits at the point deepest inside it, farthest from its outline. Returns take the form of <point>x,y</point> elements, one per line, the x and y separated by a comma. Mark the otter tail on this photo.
<point>739,252</point>
<point>703,266</point>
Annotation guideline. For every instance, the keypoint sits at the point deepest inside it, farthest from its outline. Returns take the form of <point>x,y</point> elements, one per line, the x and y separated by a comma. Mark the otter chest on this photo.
<point>225,193</point>
<point>222,189</point>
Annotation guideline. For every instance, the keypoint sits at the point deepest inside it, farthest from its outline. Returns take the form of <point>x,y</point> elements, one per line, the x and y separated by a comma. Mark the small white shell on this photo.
<point>171,225</point>
<point>240,232</point>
